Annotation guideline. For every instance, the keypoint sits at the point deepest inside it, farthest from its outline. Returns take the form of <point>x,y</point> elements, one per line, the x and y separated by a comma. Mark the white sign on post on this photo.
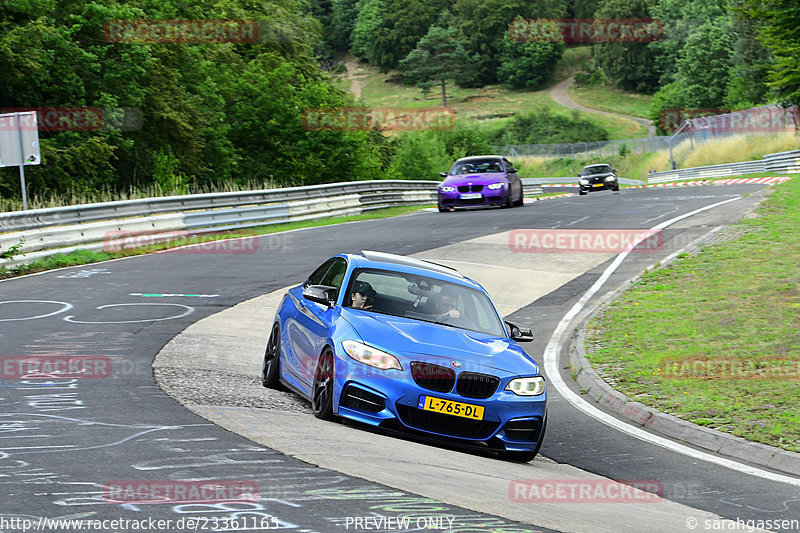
<point>19,144</point>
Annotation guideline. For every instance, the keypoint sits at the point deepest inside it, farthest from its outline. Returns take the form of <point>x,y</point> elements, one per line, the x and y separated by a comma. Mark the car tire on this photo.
<point>521,201</point>
<point>509,202</point>
<point>525,457</point>
<point>443,209</point>
<point>322,389</point>
<point>582,193</point>
<point>270,369</point>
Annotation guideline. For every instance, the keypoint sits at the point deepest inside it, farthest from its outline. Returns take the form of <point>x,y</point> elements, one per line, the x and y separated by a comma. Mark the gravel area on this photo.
<point>207,387</point>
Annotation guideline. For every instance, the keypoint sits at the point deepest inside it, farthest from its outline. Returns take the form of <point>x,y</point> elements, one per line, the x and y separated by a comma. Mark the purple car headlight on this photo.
<point>447,188</point>
<point>495,186</point>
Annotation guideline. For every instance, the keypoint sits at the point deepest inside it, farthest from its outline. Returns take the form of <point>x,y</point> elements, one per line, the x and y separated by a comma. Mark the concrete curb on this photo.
<point>595,387</point>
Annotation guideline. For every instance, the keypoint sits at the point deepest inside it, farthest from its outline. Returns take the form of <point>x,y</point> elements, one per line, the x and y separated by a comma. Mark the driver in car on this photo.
<point>446,305</point>
<point>362,295</point>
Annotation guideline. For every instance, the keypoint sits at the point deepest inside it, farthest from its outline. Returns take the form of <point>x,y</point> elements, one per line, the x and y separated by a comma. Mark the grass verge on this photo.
<point>612,100</point>
<point>714,338</point>
<point>85,257</point>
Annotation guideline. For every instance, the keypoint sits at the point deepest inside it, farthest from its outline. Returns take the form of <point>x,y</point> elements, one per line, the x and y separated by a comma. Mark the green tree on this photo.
<point>627,65</point>
<point>210,112</point>
<point>679,20</point>
<point>747,83</point>
<point>779,30</point>
<point>387,30</point>
<point>528,65</point>
<point>483,25</point>
<point>367,25</point>
<point>702,71</point>
<point>438,57</point>
<point>343,18</point>
<point>581,9</point>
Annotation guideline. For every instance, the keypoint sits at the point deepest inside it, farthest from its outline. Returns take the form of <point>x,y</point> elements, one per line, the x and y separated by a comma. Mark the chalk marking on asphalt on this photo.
<point>551,367</point>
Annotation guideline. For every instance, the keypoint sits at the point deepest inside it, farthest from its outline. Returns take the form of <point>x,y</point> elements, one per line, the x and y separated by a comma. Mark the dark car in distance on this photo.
<point>480,181</point>
<point>598,178</point>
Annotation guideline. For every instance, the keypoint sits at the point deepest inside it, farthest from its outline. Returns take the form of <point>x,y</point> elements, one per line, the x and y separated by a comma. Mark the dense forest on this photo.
<point>231,112</point>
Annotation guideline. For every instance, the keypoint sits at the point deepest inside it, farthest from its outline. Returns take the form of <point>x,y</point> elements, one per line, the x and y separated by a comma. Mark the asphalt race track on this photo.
<point>67,444</point>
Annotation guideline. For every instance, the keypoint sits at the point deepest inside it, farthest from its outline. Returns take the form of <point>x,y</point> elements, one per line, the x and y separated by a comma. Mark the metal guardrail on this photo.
<point>36,218</point>
<point>780,162</point>
<point>45,232</point>
<point>783,162</point>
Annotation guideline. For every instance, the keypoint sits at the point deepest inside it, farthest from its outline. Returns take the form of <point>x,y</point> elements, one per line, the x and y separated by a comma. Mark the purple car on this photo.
<point>480,181</point>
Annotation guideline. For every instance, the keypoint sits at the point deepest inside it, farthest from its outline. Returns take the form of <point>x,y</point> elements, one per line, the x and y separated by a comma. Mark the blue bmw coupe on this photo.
<point>410,345</point>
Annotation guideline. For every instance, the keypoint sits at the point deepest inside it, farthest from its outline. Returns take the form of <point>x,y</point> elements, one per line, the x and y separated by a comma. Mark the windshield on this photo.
<point>423,298</point>
<point>600,169</point>
<point>477,167</point>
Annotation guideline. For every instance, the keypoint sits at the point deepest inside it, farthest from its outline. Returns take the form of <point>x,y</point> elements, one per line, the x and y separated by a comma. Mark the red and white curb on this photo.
<point>732,181</point>
<point>539,199</point>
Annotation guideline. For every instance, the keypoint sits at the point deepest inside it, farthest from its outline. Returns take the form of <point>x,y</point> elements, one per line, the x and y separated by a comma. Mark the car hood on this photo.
<point>410,338</point>
<point>477,179</point>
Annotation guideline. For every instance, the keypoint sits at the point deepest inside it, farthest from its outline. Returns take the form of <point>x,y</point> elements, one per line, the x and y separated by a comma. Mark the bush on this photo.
<point>423,155</point>
<point>546,127</point>
<point>590,77</point>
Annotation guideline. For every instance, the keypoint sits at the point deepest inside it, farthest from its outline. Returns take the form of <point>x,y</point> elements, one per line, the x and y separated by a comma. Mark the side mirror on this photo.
<point>322,294</point>
<point>519,333</point>
<point>614,170</point>
<point>443,174</point>
<point>580,175</point>
<point>512,170</point>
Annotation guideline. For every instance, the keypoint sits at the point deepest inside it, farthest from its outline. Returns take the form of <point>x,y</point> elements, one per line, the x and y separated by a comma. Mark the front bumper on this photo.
<point>510,422</point>
<point>599,186</point>
<point>470,199</point>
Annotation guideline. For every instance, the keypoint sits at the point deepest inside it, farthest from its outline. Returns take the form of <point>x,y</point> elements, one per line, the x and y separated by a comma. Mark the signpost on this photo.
<point>19,144</point>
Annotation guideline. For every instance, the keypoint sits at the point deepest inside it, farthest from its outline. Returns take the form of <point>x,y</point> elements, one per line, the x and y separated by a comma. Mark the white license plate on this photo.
<point>471,195</point>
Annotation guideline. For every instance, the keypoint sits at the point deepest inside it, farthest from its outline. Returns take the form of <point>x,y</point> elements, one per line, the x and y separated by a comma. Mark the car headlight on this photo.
<point>371,356</point>
<point>447,188</point>
<point>494,186</point>
<point>611,178</point>
<point>584,182</point>
<point>526,386</point>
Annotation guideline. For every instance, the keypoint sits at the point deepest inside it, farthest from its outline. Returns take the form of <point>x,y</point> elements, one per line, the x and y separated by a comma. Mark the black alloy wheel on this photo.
<point>270,370</point>
<point>322,390</point>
